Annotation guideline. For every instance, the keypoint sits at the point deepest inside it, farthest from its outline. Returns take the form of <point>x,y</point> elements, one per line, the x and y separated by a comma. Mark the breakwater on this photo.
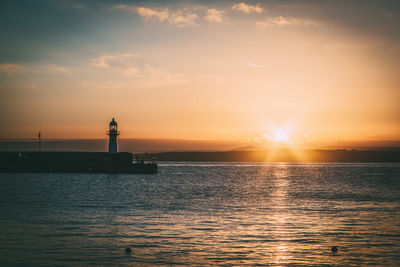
<point>73,162</point>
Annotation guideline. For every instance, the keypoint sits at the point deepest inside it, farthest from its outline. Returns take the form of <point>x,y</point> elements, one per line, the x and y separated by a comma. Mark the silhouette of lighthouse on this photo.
<point>113,133</point>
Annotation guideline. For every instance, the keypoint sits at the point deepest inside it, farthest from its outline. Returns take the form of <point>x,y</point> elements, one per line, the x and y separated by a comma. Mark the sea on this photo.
<point>204,214</point>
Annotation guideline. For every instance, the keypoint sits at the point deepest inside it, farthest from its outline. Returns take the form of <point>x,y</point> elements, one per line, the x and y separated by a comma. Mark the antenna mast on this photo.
<point>40,143</point>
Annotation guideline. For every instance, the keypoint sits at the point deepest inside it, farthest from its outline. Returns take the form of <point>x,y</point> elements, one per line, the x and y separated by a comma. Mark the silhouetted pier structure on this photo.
<point>73,162</point>
<point>78,162</point>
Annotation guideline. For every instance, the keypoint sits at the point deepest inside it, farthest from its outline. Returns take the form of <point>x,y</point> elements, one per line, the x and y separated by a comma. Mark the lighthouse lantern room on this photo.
<point>113,133</point>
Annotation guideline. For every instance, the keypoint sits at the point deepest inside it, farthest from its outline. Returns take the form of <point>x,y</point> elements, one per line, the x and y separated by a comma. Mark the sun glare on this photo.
<point>281,136</point>
<point>278,136</point>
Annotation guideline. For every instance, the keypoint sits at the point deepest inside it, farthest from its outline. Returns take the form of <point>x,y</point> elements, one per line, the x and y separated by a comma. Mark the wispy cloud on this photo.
<point>245,8</point>
<point>214,15</point>
<point>31,86</point>
<point>10,68</point>
<point>183,18</point>
<point>257,66</point>
<point>55,68</point>
<point>106,85</point>
<point>133,65</point>
<point>162,77</point>
<point>149,14</point>
<point>107,60</point>
<point>283,21</point>
<point>124,7</point>
<point>180,18</point>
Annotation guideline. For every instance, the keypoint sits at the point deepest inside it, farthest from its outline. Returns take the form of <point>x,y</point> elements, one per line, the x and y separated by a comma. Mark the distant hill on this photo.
<point>283,155</point>
<point>187,150</point>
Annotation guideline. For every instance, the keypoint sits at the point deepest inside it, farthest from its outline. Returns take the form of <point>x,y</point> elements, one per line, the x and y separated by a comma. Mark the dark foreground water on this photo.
<point>205,214</point>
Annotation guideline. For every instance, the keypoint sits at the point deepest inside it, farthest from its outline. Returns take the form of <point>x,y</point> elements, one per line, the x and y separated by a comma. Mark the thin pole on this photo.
<point>40,143</point>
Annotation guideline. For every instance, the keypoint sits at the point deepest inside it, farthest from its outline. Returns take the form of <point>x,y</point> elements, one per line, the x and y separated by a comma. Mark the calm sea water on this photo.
<point>205,214</point>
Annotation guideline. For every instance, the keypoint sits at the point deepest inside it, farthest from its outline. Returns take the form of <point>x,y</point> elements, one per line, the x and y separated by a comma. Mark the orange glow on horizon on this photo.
<point>229,78</point>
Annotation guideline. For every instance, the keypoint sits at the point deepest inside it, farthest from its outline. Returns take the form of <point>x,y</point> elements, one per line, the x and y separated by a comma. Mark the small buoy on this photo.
<point>128,250</point>
<point>334,249</point>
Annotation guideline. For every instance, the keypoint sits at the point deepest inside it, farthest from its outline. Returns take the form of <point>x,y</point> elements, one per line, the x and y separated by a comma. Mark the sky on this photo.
<point>299,72</point>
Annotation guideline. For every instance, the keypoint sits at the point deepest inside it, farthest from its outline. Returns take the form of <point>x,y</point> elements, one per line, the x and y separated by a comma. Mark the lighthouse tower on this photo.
<point>113,133</point>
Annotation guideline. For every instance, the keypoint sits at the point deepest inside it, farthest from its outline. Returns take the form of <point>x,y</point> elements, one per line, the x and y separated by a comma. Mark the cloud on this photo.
<point>131,71</point>
<point>245,8</point>
<point>124,7</point>
<point>106,85</point>
<point>214,15</point>
<point>162,77</point>
<point>282,22</point>
<point>31,86</point>
<point>183,18</point>
<point>10,68</point>
<point>149,14</point>
<point>55,68</point>
<point>133,65</point>
<point>105,61</point>
<point>257,66</point>
<point>180,18</point>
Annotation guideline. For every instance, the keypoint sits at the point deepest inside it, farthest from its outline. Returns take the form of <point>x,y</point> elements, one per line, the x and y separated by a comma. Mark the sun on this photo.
<point>278,136</point>
<point>281,144</point>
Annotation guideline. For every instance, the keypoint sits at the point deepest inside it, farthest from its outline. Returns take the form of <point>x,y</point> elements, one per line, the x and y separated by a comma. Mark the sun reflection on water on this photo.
<point>273,214</point>
<point>281,252</point>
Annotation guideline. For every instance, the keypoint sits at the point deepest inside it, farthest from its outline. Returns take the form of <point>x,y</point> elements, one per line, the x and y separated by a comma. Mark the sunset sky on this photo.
<point>282,71</point>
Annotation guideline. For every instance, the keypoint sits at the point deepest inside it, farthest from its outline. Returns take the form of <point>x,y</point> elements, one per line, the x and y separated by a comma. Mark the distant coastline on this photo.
<point>283,155</point>
<point>180,150</point>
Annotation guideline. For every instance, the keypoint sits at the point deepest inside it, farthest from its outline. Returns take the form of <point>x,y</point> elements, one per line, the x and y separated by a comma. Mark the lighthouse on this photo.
<point>113,133</point>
